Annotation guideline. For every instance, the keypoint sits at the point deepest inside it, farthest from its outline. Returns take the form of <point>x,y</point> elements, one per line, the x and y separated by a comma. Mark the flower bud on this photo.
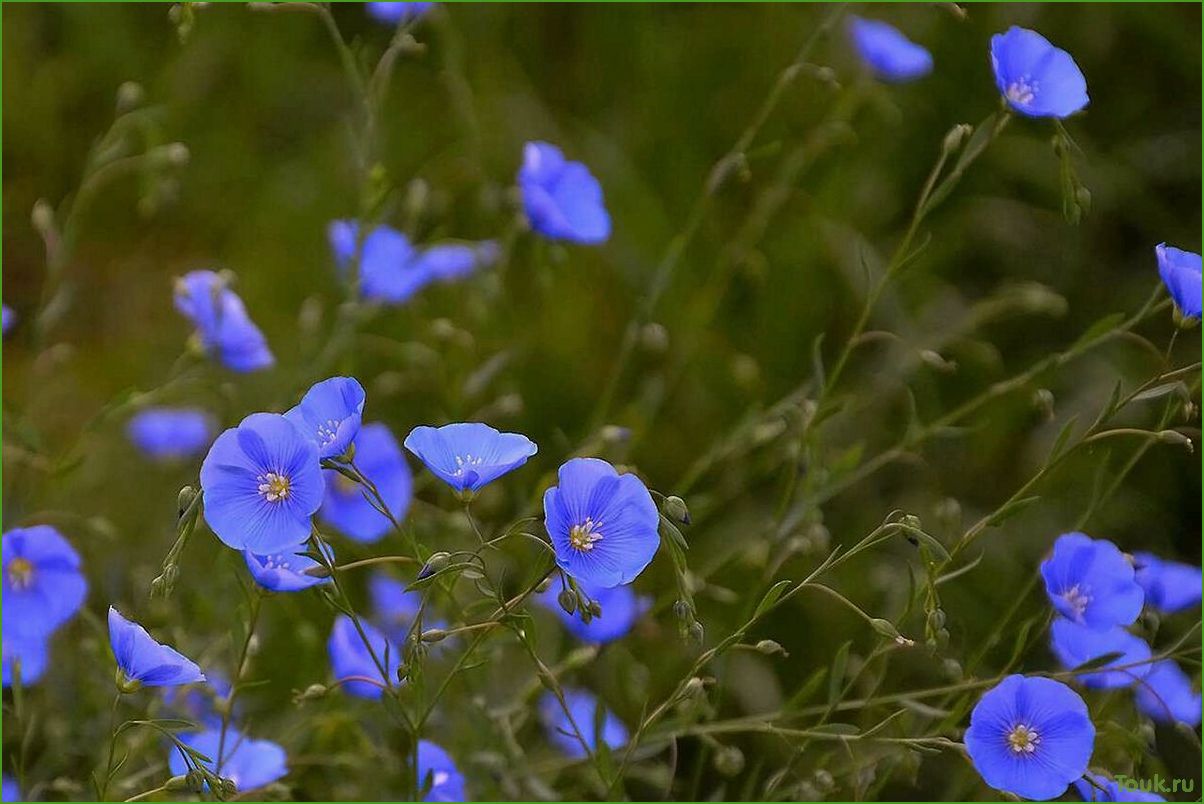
<point>229,788</point>
<point>936,619</point>
<point>824,781</point>
<point>694,687</point>
<point>769,647</point>
<point>683,611</point>
<point>952,669</point>
<point>184,499</point>
<point>434,564</point>
<point>129,97</point>
<point>956,136</point>
<point>1175,437</point>
<point>595,608</point>
<point>543,585</point>
<point>434,635</point>
<point>729,761</point>
<point>675,508</point>
<point>654,338</point>
<point>614,434</point>
<point>567,600</point>
<point>1043,400</point>
<point>696,633</point>
<point>195,781</point>
<point>313,691</point>
<point>176,784</point>
<point>42,217</point>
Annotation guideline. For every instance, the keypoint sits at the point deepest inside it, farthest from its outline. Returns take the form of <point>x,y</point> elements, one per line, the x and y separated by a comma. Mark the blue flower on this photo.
<point>621,608</point>
<point>350,659</point>
<point>436,766</point>
<point>286,571</point>
<point>9,790</point>
<point>468,455</point>
<point>1091,582</point>
<point>395,608</point>
<point>394,13</point>
<point>562,199</point>
<point>262,483</point>
<point>223,327</point>
<point>250,764</point>
<point>1030,736</point>
<point>449,262</point>
<point>1036,78</point>
<point>143,660</point>
<point>199,702</point>
<point>43,585</point>
<point>168,434</point>
<point>7,318</point>
<point>1180,271</point>
<point>1170,586</point>
<point>329,414</point>
<point>583,706</point>
<point>603,525</point>
<point>890,54</point>
<point>1105,789</point>
<point>380,460</point>
<point>1075,645</point>
<point>1166,694</point>
<point>31,653</point>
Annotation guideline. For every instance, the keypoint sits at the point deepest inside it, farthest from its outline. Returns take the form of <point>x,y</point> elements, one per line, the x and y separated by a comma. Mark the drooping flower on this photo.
<point>143,660</point>
<point>436,767</point>
<point>286,571</point>
<point>621,608</point>
<point>1166,694</point>
<point>1090,582</point>
<point>1030,736</point>
<point>351,660</point>
<point>1170,586</point>
<point>43,584</point>
<point>1180,271</point>
<point>562,199</point>
<point>394,13</point>
<point>262,482</point>
<point>169,434</point>
<point>468,455</point>
<point>222,325</point>
<point>583,706</point>
<point>1101,788</point>
<point>249,763</point>
<point>603,525</point>
<point>1036,78</point>
<point>29,653</point>
<point>7,319</point>
<point>329,414</point>
<point>378,458</point>
<point>394,608</point>
<point>1075,645</point>
<point>887,52</point>
<point>9,790</point>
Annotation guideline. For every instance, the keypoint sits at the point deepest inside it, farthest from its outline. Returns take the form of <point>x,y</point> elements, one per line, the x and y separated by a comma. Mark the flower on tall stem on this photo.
<point>1180,271</point>
<point>1170,586</point>
<point>561,198</point>
<point>1167,695</point>
<point>1076,645</point>
<point>887,52</point>
<point>143,662</point>
<point>468,455</point>
<point>27,654</point>
<point>170,434</point>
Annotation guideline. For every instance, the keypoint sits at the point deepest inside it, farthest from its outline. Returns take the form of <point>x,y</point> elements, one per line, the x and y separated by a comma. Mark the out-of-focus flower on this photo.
<point>468,455</point>
<point>1100,788</point>
<point>1170,586</point>
<point>582,705</point>
<point>223,327</point>
<point>394,13</point>
<point>350,659</point>
<point>250,764</point>
<point>1031,737</point>
<point>7,318</point>
<point>9,790</point>
<point>1181,272</point>
<point>603,525</point>
<point>378,458</point>
<point>169,434</point>
<point>394,608</point>
<point>199,701</point>
<point>286,571</point>
<point>329,414</point>
<point>43,585</point>
<point>887,52</point>
<point>1091,582</point>
<point>1166,694</point>
<point>621,608</point>
<point>1036,78</point>
<point>437,767</point>
<point>262,483</point>
<point>145,661</point>
<point>1075,645</point>
<point>30,653</point>
<point>562,199</point>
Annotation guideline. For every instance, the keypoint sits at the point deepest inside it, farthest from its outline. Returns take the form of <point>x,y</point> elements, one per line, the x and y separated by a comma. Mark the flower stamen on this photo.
<point>1022,91</point>
<point>20,573</point>
<point>582,537</point>
<point>1023,739</point>
<point>1077,598</point>
<point>274,486</point>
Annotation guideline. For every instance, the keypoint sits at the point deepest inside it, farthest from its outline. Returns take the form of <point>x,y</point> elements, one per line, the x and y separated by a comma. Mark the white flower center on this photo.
<point>1023,739</point>
<point>1077,598</point>
<point>1022,91</point>
<point>274,486</point>
<point>466,460</point>
<point>439,778</point>
<point>583,536</point>
<point>328,431</point>
<point>20,573</point>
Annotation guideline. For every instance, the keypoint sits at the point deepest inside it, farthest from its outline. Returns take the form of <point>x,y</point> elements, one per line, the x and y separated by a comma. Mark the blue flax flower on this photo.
<point>1030,736</point>
<point>262,483</point>
<point>1036,78</point>
<point>379,458</point>
<point>285,571</point>
<point>1180,271</point>
<point>562,199</point>
<point>43,584</point>
<point>250,764</point>
<point>621,609</point>
<point>1075,645</point>
<point>1105,789</point>
<point>224,329</point>
<point>436,766</point>
<point>143,660</point>
<point>30,653</point>
<point>583,706</point>
<point>887,52</point>
<point>350,659</point>
<point>394,13</point>
<point>603,525</point>
<point>329,414</point>
<point>169,434</point>
<point>468,455</point>
<point>1166,694</point>
<point>1091,582</point>
<point>9,790</point>
<point>1170,586</point>
<point>7,318</point>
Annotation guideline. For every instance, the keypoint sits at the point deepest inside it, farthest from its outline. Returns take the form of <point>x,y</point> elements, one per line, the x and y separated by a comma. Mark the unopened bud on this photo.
<point>683,610</point>
<point>567,600</point>
<point>313,691</point>
<point>654,338</point>
<point>956,136</point>
<point>434,564</point>
<point>195,781</point>
<point>1043,400</point>
<point>129,97</point>
<point>694,687</point>
<point>936,619</point>
<point>888,630</point>
<point>184,499</point>
<point>42,217</point>
<point>953,669</point>
<point>1082,197</point>
<point>613,434</point>
<point>911,521</point>
<point>729,761</point>
<point>176,784</point>
<point>696,633</point>
<point>770,648</point>
<point>434,635</point>
<point>1175,437</point>
<point>229,788</point>
<point>675,508</point>
<point>595,608</point>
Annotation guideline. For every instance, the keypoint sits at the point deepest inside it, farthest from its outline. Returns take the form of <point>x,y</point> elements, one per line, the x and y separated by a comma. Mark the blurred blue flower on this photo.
<point>379,458</point>
<point>435,764</point>
<point>1091,582</point>
<point>1180,271</point>
<point>30,652</point>
<point>199,701</point>
<point>468,455</point>
<point>142,659</point>
<point>350,659</point>
<point>583,706</point>
<point>1036,78</point>
<point>43,584</point>
<point>262,483</point>
<point>168,434</point>
<point>8,789</point>
<point>1030,736</point>
<point>222,325</point>
<point>621,608</point>
<point>7,318</point>
<point>562,199</point>
<point>1166,694</point>
<point>603,525</point>
<point>1106,789</point>
<point>285,571</point>
<point>1170,586</point>
<point>394,608</point>
<point>448,262</point>
<point>250,764</point>
<point>890,54</point>
<point>329,414</point>
<point>1075,645</point>
<point>394,13</point>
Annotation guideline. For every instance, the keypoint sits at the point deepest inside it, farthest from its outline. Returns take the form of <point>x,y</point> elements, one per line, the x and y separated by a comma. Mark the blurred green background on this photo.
<point>649,97</point>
